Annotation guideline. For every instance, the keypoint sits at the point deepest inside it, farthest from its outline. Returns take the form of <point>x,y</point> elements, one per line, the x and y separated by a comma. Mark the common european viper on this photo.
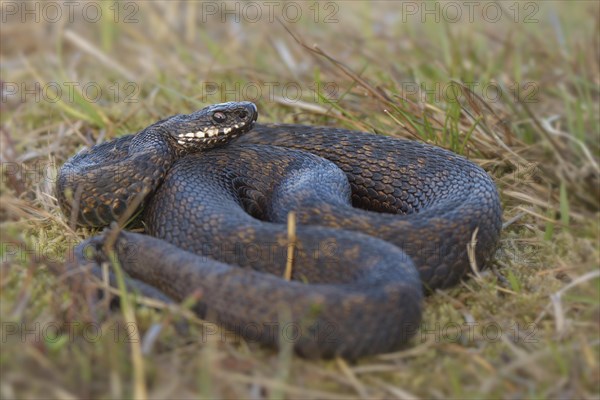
<point>377,218</point>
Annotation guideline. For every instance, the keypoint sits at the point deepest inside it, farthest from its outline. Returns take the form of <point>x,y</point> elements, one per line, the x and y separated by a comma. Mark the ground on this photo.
<point>514,86</point>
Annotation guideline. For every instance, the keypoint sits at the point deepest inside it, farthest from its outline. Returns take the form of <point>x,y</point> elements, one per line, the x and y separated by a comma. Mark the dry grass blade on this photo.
<point>556,300</point>
<point>105,59</point>
<point>291,224</point>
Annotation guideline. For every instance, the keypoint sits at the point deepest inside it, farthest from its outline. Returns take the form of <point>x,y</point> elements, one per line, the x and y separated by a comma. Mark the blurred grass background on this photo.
<point>513,85</point>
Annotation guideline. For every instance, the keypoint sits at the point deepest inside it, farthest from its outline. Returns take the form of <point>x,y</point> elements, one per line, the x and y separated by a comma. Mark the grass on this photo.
<point>527,111</point>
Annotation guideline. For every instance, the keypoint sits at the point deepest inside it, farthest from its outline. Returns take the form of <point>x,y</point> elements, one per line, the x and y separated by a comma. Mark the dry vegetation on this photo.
<point>534,317</point>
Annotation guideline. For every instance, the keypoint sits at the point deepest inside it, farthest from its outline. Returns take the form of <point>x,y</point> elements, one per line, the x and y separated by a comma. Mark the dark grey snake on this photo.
<point>377,219</point>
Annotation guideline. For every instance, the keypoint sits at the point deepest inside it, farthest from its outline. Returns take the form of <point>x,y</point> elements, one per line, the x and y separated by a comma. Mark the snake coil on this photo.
<point>377,218</point>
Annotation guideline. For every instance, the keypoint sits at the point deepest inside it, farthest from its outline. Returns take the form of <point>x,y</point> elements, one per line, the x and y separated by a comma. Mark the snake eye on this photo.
<point>219,117</point>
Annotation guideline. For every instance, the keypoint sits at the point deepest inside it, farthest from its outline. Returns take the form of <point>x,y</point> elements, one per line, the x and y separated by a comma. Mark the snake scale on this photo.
<point>377,220</point>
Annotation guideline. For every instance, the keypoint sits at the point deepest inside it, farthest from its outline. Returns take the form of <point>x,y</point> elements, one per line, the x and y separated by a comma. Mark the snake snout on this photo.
<point>248,112</point>
<point>243,116</point>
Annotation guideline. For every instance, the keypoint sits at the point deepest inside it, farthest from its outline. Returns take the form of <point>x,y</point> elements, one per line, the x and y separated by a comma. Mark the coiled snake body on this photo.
<point>377,219</point>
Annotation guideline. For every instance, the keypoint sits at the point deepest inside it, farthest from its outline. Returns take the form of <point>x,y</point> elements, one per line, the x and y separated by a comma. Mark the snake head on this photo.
<point>211,126</point>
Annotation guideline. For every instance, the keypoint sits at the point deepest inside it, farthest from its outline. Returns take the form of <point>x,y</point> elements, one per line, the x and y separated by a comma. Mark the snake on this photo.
<point>322,239</point>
